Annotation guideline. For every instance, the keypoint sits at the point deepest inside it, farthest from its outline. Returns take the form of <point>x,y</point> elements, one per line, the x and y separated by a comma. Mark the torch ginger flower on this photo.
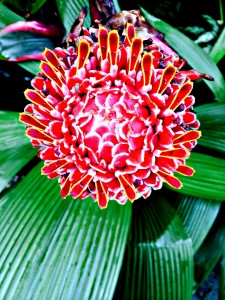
<point>112,116</point>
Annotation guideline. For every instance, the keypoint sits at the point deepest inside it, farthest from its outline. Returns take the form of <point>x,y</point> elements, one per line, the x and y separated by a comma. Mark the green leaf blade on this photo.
<point>197,216</point>
<point>218,50</point>
<point>8,16</point>
<point>159,257</point>
<point>208,179</point>
<point>74,8</point>
<point>25,6</point>
<point>53,247</point>
<point>211,250</point>
<point>17,44</point>
<point>30,66</point>
<point>212,125</point>
<point>191,52</point>
<point>16,150</point>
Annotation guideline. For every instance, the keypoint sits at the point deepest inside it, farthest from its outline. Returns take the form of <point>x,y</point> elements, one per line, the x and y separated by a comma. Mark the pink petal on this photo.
<point>92,141</point>
<point>32,26</point>
<point>55,129</point>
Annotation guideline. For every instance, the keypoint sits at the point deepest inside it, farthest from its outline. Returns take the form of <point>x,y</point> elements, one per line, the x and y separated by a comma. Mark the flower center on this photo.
<point>112,118</point>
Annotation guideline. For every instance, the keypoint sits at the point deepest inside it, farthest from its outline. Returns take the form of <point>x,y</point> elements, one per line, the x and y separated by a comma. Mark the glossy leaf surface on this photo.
<point>212,120</point>
<point>54,248</point>
<point>8,16</point>
<point>208,179</point>
<point>15,150</point>
<point>211,250</point>
<point>158,262</point>
<point>218,50</point>
<point>195,55</point>
<point>18,44</point>
<point>74,8</point>
<point>197,215</point>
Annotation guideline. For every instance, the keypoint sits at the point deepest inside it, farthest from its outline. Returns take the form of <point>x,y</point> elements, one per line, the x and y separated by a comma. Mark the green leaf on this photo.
<point>117,6</point>
<point>159,261</point>
<point>7,16</point>
<point>211,114</point>
<point>54,248</point>
<point>12,161</point>
<point>211,250</point>
<point>208,179</point>
<point>191,52</point>
<point>197,216</point>
<point>24,6</point>
<point>212,120</point>
<point>218,50</point>
<point>30,66</point>
<point>12,131</point>
<point>16,44</point>
<point>15,151</point>
<point>73,7</point>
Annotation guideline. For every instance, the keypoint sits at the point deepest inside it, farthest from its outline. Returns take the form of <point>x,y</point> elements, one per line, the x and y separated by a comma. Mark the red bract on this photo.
<point>112,116</point>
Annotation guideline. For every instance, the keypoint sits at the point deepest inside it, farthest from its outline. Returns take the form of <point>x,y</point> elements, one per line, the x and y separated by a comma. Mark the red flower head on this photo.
<point>112,115</point>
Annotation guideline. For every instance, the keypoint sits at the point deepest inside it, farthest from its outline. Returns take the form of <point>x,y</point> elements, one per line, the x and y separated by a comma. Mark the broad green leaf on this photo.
<point>197,216</point>
<point>212,120</point>
<point>30,66</point>
<point>159,261</point>
<point>73,7</point>
<point>54,248</point>
<point>117,6</point>
<point>25,6</point>
<point>12,131</point>
<point>211,114</point>
<point>208,180</point>
<point>13,160</point>
<point>190,51</point>
<point>2,57</point>
<point>222,280</point>
<point>218,50</point>
<point>16,44</point>
<point>7,16</point>
<point>211,250</point>
<point>15,148</point>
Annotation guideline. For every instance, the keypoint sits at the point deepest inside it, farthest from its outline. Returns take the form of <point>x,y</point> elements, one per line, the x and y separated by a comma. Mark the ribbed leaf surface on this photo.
<point>197,215</point>
<point>15,148</point>
<point>73,7</point>
<point>12,131</point>
<point>208,180</point>
<point>17,44</point>
<point>211,250</point>
<point>218,50</point>
<point>7,16</point>
<point>212,119</point>
<point>12,160</point>
<point>25,6</point>
<point>158,262</point>
<point>53,248</point>
<point>190,51</point>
